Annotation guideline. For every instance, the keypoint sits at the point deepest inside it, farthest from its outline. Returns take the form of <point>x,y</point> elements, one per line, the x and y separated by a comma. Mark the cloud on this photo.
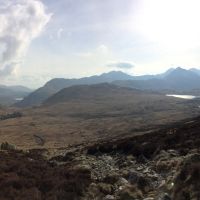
<point>60,32</point>
<point>9,69</point>
<point>121,65</point>
<point>101,50</point>
<point>33,81</point>
<point>20,22</point>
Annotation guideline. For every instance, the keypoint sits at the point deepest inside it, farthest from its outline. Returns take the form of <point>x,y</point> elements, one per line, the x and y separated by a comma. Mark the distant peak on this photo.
<point>170,69</point>
<point>180,69</point>
<point>115,72</point>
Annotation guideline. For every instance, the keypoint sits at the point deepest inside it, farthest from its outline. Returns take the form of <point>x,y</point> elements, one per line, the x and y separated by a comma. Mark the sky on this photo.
<point>44,39</point>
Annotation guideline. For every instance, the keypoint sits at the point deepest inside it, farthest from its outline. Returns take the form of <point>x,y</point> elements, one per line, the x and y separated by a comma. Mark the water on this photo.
<point>182,96</point>
<point>19,99</point>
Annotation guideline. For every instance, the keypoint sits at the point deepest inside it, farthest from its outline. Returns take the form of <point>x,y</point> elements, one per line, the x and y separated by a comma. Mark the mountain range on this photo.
<point>175,80</point>
<point>10,94</point>
<point>55,85</point>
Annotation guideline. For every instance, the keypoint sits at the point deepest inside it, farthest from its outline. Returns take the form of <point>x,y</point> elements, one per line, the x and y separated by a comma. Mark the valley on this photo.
<point>101,141</point>
<point>83,114</point>
<point>99,100</point>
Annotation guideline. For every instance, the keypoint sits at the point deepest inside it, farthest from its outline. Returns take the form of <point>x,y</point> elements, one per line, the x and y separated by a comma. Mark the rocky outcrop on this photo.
<point>10,116</point>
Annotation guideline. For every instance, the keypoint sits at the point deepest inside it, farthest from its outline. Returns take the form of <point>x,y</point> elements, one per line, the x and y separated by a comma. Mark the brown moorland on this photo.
<point>94,113</point>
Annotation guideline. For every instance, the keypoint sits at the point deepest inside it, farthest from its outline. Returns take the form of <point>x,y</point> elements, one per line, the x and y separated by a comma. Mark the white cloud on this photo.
<point>121,65</point>
<point>60,32</point>
<point>10,68</point>
<point>20,22</point>
<point>32,81</point>
<point>101,50</point>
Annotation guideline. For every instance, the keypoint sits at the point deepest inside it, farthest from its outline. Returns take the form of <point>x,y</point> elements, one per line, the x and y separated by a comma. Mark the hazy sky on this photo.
<point>40,40</point>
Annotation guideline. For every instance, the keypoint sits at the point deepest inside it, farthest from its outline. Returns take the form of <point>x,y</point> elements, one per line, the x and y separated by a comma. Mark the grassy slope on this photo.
<point>76,121</point>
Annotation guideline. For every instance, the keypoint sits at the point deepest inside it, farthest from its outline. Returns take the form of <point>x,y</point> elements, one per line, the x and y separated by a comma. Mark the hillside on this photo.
<point>10,94</point>
<point>93,112</point>
<point>54,85</point>
<point>97,92</point>
<point>163,164</point>
<point>183,80</point>
<point>174,80</point>
<point>178,80</point>
<point>197,71</point>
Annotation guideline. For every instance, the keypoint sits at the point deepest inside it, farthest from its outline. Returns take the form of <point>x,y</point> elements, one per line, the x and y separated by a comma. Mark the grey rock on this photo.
<point>109,197</point>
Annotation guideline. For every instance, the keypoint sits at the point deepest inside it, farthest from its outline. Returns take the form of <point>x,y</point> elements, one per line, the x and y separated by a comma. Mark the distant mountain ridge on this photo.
<point>54,85</point>
<point>173,79</point>
<point>180,80</point>
<point>197,71</point>
<point>9,94</point>
<point>60,83</point>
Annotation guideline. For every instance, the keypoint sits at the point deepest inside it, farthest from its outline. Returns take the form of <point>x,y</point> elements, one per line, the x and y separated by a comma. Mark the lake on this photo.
<point>182,96</point>
<point>19,99</point>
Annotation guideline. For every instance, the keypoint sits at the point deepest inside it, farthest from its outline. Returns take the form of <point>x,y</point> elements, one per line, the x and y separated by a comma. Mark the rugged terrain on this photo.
<point>91,113</point>
<point>161,165</point>
<point>101,142</point>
